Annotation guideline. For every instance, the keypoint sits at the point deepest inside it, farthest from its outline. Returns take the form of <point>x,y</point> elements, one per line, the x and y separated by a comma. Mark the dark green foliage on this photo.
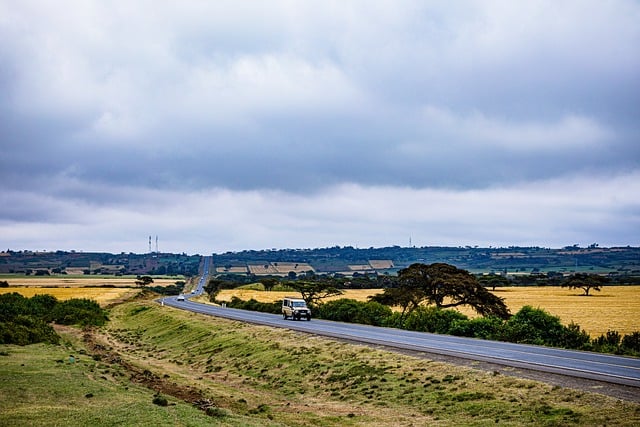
<point>608,343</point>
<point>11,305</point>
<point>532,326</point>
<point>349,310</point>
<point>253,305</point>
<point>487,328</point>
<point>216,285</point>
<point>23,330</point>
<point>313,291</point>
<point>144,281</point>
<point>25,320</point>
<point>631,343</point>
<point>79,311</point>
<point>586,282</point>
<point>160,400</point>
<point>536,326</point>
<point>444,286</point>
<point>432,319</point>
<point>175,289</point>
<point>4,284</point>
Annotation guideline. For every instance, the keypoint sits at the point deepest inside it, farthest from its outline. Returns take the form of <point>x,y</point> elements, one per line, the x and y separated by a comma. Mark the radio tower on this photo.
<point>157,251</point>
<point>149,244</point>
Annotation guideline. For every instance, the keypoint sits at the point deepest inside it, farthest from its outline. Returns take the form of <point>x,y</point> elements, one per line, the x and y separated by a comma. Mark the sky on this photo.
<point>231,125</point>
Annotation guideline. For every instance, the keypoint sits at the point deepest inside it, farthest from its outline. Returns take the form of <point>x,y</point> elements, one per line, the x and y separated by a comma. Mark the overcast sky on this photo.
<point>231,125</point>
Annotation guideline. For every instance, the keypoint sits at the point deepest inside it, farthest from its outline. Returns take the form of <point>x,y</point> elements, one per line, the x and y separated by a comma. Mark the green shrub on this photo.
<point>350,310</point>
<point>79,311</point>
<point>487,328</point>
<point>24,330</point>
<point>432,319</point>
<point>631,343</point>
<point>254,305</point>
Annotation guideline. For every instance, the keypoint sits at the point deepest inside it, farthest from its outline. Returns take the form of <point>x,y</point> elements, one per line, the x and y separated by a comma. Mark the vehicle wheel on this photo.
<point>308,318</point>
<point>284,316</point>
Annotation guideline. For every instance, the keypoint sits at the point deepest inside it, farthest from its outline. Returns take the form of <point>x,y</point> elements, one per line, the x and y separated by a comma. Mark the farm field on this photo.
<point>615,308</point>
<point>64,288</point>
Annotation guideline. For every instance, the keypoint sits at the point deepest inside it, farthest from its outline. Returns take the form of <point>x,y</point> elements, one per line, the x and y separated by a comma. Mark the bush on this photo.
<point>631,343</point>
<point>350,310</point>
<point>432,319</point>
<point>79,311</point>
<point>160,400</point>
<point>254,305</point>
<point>608,343</point>
<point>24,330</point>
<point>487,328</point>
<point>532,326</point>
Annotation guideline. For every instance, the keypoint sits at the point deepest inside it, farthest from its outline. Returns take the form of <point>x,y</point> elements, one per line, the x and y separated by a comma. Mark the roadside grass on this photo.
<point>290,378</point>
<point>615,308</point>
<point>41,386</point>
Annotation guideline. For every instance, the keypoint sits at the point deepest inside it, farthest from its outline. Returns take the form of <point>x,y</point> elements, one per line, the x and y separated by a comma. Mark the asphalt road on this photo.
<point>594,366</point>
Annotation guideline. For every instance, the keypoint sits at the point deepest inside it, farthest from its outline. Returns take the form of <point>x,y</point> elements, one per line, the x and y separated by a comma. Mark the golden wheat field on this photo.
<point>80,287</point>
<point>615,308</point>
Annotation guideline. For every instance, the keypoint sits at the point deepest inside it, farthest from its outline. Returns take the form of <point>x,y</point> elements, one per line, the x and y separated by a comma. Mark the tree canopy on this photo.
<point>586,282</point>
<point>443,285</point>
<point>314,291</point>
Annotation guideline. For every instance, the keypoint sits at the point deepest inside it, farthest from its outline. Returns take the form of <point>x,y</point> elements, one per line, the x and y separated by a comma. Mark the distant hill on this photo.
<point>61,262</point>
<point>617,260</point>
<point>345,260</point>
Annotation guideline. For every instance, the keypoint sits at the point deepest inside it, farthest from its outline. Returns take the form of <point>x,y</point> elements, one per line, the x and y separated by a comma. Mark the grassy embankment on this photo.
<point>256,375</point>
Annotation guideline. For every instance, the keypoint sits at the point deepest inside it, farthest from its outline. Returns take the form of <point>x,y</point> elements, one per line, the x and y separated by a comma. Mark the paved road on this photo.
<point>602,367</point>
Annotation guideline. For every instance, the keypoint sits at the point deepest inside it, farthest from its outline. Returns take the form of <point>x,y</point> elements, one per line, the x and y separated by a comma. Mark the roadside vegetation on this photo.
<point>153,365</point>
<point>420,298</point>
<point>28,320</point>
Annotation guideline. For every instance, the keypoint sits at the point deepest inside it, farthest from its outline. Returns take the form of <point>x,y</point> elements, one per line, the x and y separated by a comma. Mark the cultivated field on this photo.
<point>64,288</point>
<point>615,308</point>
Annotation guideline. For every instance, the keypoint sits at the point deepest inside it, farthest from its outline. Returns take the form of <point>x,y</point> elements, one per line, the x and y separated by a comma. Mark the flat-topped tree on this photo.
<point>586,282</point>
<point>445,286</point>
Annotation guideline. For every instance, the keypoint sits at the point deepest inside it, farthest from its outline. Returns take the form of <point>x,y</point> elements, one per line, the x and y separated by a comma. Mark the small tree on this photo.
<point>144,281</point>
<point>586,282</point>
<point>269,283</point>
<point>314,291</point>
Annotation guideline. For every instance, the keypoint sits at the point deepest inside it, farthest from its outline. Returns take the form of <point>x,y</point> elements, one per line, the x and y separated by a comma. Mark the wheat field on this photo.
<point>64,288</point>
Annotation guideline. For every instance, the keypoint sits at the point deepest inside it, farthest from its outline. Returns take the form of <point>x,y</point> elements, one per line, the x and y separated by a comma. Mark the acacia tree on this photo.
<point>314,291</point>
<point>144,281</point>
<point>269,283</point>
<point>586,282</point>
<point>445,286</point>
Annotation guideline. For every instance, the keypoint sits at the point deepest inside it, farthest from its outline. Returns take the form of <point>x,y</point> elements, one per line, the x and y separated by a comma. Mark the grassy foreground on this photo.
<point>252,375</point>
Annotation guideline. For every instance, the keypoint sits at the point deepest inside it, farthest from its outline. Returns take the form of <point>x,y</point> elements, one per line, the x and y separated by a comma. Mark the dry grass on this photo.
<point>614,308</point>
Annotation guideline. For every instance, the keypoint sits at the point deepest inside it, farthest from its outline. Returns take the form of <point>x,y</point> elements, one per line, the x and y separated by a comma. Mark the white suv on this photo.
<point>295,308</point>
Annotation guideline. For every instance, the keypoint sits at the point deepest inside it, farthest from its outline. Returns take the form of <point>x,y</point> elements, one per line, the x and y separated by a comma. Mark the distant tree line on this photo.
<point>28,320</point>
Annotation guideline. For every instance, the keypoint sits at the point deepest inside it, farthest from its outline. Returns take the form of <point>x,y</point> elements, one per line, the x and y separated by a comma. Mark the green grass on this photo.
<point>266,376</point>
<point>40,385</point>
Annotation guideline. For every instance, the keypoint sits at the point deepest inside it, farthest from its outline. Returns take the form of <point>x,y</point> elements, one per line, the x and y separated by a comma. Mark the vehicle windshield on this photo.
<point>298,304</point>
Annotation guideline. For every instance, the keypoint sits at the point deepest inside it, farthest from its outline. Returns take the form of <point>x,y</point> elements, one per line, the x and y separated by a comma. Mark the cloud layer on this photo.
<point>234,125</point>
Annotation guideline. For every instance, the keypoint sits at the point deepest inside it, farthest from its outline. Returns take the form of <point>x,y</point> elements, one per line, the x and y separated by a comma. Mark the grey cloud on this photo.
<point>98,99</point>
